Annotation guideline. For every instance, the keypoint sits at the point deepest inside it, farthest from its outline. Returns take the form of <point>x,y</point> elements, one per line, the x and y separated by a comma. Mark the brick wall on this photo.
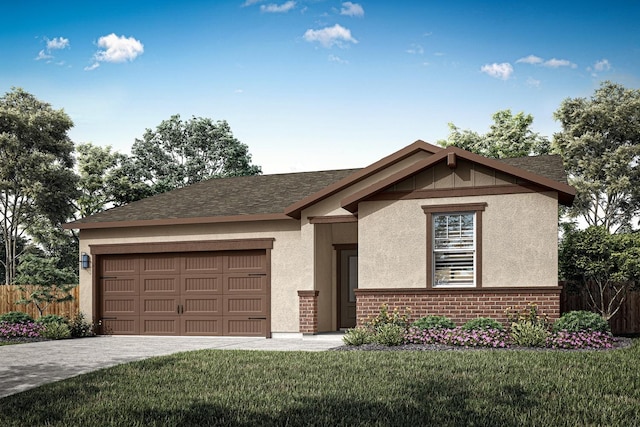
<point>308,308</point>
<point>459,305</point>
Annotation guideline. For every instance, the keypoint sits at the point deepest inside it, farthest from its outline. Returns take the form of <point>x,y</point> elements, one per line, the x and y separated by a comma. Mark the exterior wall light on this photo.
<point>85,260</point>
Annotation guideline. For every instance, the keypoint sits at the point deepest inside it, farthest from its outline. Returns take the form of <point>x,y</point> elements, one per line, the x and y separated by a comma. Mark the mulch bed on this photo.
<point>620,343</point>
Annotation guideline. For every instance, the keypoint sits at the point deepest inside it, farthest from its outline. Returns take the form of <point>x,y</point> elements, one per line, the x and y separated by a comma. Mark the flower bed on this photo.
<point>10,330</point>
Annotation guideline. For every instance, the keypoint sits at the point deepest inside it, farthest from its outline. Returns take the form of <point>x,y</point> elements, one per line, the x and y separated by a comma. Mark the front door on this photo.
<point>347,283</point>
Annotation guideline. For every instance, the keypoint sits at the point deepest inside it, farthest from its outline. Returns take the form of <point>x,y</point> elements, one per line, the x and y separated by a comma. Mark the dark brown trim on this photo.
<point>268,261</point>
<point>566,193</point>
<point>308,293</point>
<point>432,291</point>
<point>451,160</point>
<point>196,246</point>
<point>458,192</point>
<point>332,219</point>
<point>477,208</point>
<point>345,246</point>
<point>175,221</point>
<point>295,210</point>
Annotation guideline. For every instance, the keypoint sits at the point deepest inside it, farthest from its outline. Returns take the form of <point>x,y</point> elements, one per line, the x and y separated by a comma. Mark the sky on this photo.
<point>314,84</point>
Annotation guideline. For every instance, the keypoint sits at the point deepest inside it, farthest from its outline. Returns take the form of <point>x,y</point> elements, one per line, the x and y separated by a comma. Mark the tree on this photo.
<point>42,283</point>
<point>508,136</point>
<point>36,175</point>
<point>179,153</point>
<point>600,147</point>
<point>606,266</point>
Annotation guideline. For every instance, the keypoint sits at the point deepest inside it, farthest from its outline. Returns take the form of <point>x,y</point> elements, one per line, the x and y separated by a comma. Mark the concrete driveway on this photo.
<point>25,366</point>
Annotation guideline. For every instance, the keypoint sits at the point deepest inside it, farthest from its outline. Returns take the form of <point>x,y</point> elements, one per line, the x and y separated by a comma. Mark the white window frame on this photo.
<point>472,249</point>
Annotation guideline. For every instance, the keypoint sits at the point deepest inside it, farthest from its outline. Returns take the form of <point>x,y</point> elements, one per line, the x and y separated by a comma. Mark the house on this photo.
<point>437,230</point>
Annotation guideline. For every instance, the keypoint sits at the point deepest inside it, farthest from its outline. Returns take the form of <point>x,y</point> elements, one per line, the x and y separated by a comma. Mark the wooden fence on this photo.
<point>9,294</point>
<point>625,322</point>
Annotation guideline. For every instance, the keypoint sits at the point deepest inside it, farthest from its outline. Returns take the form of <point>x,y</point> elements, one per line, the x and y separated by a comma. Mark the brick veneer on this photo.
<point>308,307</point>
<point>459,305</point>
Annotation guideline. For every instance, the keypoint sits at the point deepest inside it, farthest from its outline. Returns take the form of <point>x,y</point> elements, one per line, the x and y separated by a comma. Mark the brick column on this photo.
<point>308,303</point>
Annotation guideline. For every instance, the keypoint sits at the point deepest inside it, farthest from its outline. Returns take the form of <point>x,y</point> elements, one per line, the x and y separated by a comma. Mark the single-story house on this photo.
<point>436,230</point>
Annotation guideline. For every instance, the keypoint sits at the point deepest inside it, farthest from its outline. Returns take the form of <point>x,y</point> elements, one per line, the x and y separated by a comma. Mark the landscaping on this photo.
<point>444,388</point>
<point>17,327</point>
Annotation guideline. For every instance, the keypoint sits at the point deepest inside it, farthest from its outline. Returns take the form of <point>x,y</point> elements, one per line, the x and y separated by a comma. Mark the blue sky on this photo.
<point>312,85</point>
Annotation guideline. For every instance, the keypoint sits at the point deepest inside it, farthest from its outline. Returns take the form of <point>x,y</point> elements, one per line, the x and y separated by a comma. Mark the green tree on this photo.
<point>43,283</point>
<point>605,266</point>
<point>179,153</point>
<point>36,169</point>
<point>600,147</point>
<point>508,136</point>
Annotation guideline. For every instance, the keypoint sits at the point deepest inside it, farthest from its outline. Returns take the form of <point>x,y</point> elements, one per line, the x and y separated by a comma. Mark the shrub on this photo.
<point>482,323</point>
<point>56,331</point>
<point>358,336</point>
<point>51,318</point>
<point>434,322</point>
<point>389,334</point>
<point>491,338</point>
<point>394,318</point>
<point>20,330</point>
<point>80,327</point>
<point>16,317</point>
<point>527,314</point>
<point>580,320</point>
<point>529,334</point>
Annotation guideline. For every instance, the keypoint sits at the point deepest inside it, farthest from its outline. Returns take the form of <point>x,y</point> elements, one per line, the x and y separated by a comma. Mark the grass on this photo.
<point>246,388</point>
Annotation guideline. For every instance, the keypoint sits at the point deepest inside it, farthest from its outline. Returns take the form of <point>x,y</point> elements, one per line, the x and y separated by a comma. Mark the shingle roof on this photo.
<point>244,195</point>
<point>258,195</point>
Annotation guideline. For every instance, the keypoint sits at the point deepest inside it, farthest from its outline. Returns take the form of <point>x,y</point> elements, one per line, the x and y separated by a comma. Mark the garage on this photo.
<point>184,293</point>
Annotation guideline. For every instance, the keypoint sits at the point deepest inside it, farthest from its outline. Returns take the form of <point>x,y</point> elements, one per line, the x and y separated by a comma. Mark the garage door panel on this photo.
<point>120,285</point>
<point>241,326</point>
<point>202,325</point>
<point>120,305</point>
<point>243,283</point>
<point>245,261</point>
<point>205,262</point>
<point>160,326</point>
<point>202,305</point>
<point>205,284</point>
<point>160,263</point>
<point>159,306</point>
<point>160,284</point>
<point>120,265</point>
<point>245,306</point>
<point>123,325</point>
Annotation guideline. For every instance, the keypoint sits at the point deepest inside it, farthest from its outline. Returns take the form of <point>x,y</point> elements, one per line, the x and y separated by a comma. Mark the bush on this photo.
<point>358,336</point>
<point>51,318</point>
<point>491,338</point>
<point>580,320</point>
<point>434,322</point>
<point>529,334</point>
<point>393,318</point>
<point>16,317</point>
<point>56,331</point>
<point>80,327</point>
<point>20,330</point>
<point>482,323</point>
<point>581,339</point>
<point>389,334</point>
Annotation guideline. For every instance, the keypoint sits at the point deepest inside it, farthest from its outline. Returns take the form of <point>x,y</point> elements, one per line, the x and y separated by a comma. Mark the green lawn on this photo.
<point>487,388</point>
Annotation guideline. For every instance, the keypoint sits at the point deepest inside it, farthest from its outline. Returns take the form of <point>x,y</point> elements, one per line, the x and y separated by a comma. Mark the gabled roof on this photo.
<point>284,196</point>
<point>295,209</point>
<point>244,198</point>
<point>566,193</point>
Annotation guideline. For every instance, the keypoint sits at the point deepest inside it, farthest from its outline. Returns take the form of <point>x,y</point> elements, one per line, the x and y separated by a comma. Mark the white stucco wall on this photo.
<point>519,241</point>
<point>290,263</point>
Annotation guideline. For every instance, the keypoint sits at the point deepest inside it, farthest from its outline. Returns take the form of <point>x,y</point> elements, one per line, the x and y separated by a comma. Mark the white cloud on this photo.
<point>556,63</point>
<point>531,59</point>
<point>43,55</point>
<point>57,43</point>
<point>351,9</point>
<point>415,49</point>
<point>500,71</point>
<point>533,82</point>
<point>118,49</point>
<point>603,65</point>
<point>92,66</point>
<point>250,2</point>
<point>238,91</point>
<point>278,8</point>
<point>334,58</point>
<point>330,36</point>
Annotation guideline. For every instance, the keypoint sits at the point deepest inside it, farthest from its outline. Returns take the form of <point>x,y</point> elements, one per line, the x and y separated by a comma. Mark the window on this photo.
<point>454,243</point>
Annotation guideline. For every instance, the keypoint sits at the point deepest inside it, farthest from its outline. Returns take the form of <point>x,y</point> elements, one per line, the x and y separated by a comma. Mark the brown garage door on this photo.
<point>199,293</point>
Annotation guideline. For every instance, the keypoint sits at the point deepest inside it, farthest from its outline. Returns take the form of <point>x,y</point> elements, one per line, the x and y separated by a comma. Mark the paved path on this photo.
<point>25,366</point>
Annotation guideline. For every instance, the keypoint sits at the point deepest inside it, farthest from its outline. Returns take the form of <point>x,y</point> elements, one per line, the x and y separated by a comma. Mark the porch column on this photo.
<point>308,307</point>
